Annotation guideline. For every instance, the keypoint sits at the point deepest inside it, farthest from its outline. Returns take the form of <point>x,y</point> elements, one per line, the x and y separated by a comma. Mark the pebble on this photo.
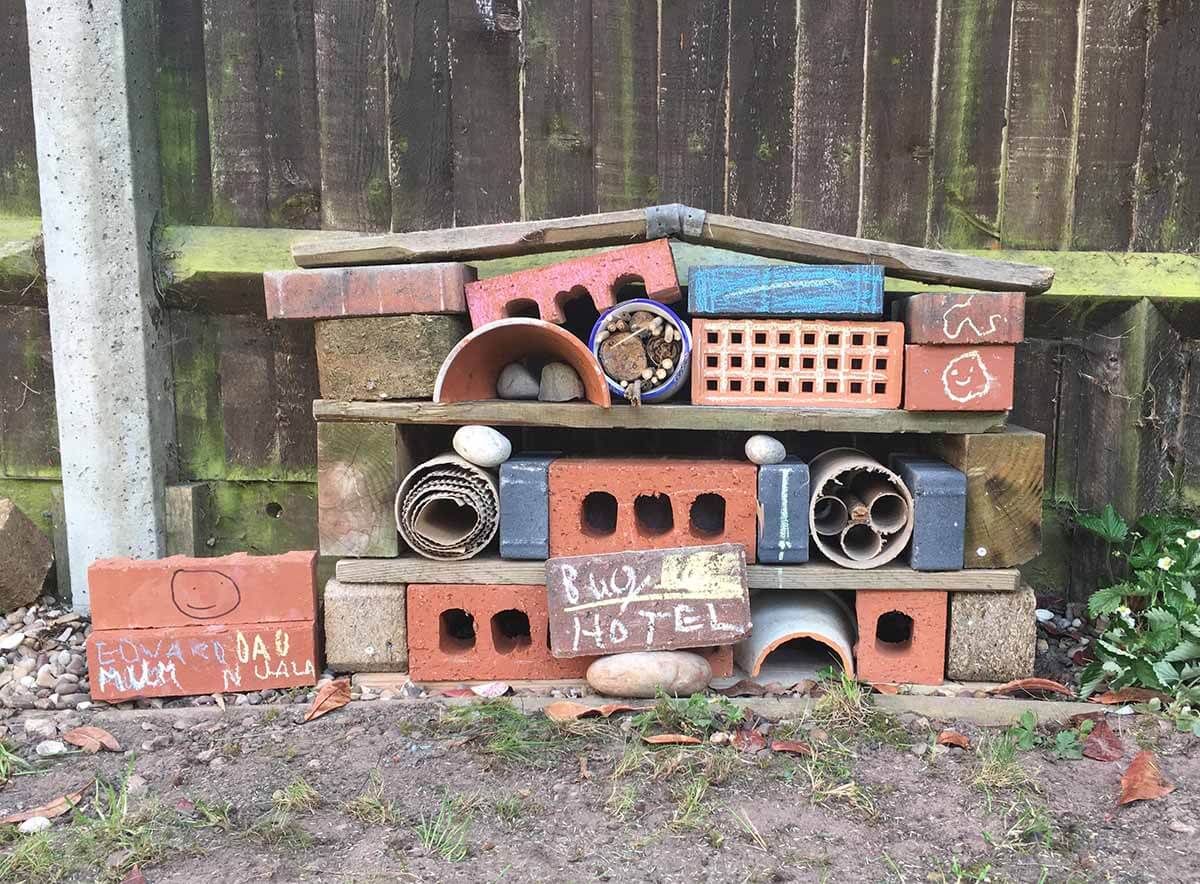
<point>46,677</point>
<point>50,748</point>
<point>34,824</point>
<point>1076,623</point>
<point>162,741</point>
<point>41,728</point>
<point>1043,646</point>
<point>516,382</point>
<point>1043,615</point>
<point>560,383</point>
<point>761,449</point>
<point>12,641</point>
<point>135,785</point>
<point>644,673</point>
<point>482,446</point>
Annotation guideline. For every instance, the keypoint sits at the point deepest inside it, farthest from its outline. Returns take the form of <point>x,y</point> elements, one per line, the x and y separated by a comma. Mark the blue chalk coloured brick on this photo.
<point>805,290</point>
<point>783,512</point>
<point>525,507</point>
<point>939,511</point>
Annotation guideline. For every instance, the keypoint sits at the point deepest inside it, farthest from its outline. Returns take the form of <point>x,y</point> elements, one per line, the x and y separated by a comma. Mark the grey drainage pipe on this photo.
<point>878,509</point>
<point>779,616</point>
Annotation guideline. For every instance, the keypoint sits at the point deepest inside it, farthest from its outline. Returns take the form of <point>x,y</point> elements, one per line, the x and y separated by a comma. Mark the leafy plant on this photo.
<point>1153,635</point>
<point>698,715</point>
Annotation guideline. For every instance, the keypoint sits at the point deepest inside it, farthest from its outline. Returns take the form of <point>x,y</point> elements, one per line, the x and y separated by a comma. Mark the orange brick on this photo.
<point>797,362</point>
<point>958,378</point>
<point>124,664</point>
<point>901,636</point>
<point>601,505</point>
<point>336,292</point>
<point>182,591</point>
<point>543,291</point>
<point>511,640</point>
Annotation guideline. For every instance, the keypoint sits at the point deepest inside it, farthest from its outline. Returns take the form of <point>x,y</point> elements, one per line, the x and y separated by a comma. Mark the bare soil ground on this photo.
<point>428,791</point>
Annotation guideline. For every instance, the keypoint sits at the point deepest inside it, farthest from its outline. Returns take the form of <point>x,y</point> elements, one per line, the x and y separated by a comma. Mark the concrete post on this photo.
<point>91,65</point>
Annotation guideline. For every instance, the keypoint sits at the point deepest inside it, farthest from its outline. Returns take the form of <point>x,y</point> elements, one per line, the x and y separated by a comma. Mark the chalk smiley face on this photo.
<point>966,377</point>
<point>203,594</point>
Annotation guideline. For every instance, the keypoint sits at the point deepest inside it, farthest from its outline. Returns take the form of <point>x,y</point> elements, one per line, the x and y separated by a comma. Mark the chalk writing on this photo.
<point>962,322</point>
<point>966,377</point>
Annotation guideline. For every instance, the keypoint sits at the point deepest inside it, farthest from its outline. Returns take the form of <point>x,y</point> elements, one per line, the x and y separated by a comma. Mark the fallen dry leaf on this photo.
<point>91,739</point>
<point>1102,744</point>
<point>457,692</point>
<point>134,876</point>
<point>490,689</point>
<point>953,738</point>
<point>743,688</point>
<point>885,688</point>
<point>565,710</point>
<point>1033,686</point>
<point>672,740</point>
<point>747,739</point>
<point>331,695</point>
<point>791,747</point>
<point>1143,781</point>
<point>1129,695</point>
<point>57,807</point>
<point>584,773</point>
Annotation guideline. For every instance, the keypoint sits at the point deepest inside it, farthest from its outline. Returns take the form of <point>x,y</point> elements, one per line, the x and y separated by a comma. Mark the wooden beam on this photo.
<point>660,417</point>
<point>813,575</point>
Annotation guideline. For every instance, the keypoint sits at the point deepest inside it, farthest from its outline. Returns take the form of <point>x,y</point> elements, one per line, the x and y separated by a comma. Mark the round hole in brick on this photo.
<point>628,287</point>
<point>525,308</point>
<point>708,515</point>
<point>274,510</point>
<point>653,514</point>
<point>799,658</point>
<point>510,631</point>
<point>579,311</point>
<point>599,514</point>
<point>456,631</point>
<point>894,631</point>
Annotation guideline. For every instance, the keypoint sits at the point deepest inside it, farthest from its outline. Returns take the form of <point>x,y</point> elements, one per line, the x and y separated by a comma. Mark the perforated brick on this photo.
<point>901,636</point>
<point>797,362</point>
<point>503,645</point>
<point>543,291</point>
<point>600,505</point>
<point>940,378</point>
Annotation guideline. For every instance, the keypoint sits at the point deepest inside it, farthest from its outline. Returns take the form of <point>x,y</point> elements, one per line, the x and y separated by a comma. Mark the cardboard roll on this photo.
<point>447,508</point>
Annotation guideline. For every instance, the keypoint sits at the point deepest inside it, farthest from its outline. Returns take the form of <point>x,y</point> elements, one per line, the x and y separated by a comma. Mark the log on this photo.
<point>358,472</point>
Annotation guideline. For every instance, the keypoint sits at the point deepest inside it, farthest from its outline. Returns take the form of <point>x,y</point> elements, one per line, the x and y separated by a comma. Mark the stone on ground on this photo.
<point>644,673</point>
<point>25,557</point>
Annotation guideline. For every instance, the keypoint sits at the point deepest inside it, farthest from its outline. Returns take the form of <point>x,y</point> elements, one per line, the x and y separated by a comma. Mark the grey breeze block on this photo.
<point>783,512</point>
<point>993,635</point>
<point>366,629</point>
<point>525,507</point>
<point>939,494</point>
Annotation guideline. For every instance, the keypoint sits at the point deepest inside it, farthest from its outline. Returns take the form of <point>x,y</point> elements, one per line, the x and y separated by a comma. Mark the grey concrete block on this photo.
<point>365,627</point>
<point>939,511</point>
<point>525,507</point>
<point>993,635</point>
<point>783,512</point>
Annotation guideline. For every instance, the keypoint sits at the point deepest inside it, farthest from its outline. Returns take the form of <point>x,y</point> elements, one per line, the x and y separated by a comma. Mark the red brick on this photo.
<point>182,591</point>
<point>682,481</point>
<point>334,292</point>
<point>797,362</point>
<point>921,659</point>
<point>960,318</point>
<point>124,664</point>
<point>958,378</point>
<point>549,288</point>
<point>435,656</point>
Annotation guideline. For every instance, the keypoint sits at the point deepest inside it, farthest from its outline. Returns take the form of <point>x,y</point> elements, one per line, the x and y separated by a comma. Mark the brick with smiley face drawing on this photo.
<point>958,378</point>
<point>181,591</point>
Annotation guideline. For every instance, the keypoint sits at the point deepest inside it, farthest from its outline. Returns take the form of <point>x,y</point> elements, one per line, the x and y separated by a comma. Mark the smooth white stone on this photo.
<point>762,449</point>
<point>644,673</point>
<point>482,446</point>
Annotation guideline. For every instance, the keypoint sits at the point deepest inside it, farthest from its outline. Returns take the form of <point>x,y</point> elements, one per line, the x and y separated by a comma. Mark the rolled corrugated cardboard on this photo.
<point>448,508</point>
<point>857,481</point>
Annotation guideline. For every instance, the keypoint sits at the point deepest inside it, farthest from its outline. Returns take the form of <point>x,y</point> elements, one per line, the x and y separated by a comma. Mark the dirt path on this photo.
<point>389,791</point>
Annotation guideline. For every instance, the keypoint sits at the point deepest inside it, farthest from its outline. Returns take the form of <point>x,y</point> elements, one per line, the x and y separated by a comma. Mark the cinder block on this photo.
<point>384,357</point>
<point>180,591</point>
<point>365,627</point>
<point>334,292</point>
<point>525,507</point>
<point>938,378</point>
<point>993,635</point>
<point>543,291</point>
<point>901,636</point>
<point>939,511</point>
<point>125,664</point>
<point>963,318</point>
<point>481,632</point>
<point>808,290</point>
<point>602,505</point>
<point>796,362</point>
<point>783,512</point>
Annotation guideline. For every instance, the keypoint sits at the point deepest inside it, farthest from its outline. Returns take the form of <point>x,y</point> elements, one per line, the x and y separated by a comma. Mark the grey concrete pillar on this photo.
<point>91,63</point>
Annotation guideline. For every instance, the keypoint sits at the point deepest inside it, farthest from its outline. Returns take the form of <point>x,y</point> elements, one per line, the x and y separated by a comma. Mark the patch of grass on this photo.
<point>749,829</point>
<point>997,768</point>
<point>845,712</point>
<point>958,872</point>
<point>33,859</point>
<point>829,777</point>
<point>277,828</point>
<point>106,828</point>
<point>512,807</point>
<point>504,731</point>
<point>698,715</point>
<point>271,714</point>
<point>446,833</point>
<point>371,807</point>
<point>213,815</point>
<point>10,763</point>
<point>620,803</point>
<point>297,795</point>
<point>632,759</point>
<point>1027,824</point>
<point>690,809</point>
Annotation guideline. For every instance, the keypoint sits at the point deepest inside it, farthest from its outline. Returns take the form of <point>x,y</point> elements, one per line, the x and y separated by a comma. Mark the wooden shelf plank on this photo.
<point>814,575</point>
<point>661,417</point>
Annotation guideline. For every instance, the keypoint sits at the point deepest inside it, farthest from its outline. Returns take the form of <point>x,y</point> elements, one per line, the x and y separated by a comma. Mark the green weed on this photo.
<point>446,833</point>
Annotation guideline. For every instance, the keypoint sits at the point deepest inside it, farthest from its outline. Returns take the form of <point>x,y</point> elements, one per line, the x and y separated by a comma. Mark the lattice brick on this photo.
<point>797,362</point>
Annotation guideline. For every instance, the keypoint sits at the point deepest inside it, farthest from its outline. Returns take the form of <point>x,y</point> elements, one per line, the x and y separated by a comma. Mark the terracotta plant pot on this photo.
<point>469,372</point>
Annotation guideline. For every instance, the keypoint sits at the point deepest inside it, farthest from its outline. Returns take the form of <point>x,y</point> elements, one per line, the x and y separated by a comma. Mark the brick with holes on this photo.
<point>940,378</point>
<point>797,362</point>
<point>812,290</point>
<point>901,636</point>
<point>544,291</point>
<point>462,632</point>
<point>783,512</point>
<point>960,318</point>
<point>600,505</point>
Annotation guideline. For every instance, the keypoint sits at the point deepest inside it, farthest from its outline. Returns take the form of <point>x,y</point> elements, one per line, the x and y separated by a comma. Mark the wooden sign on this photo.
<point>647,599</point>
